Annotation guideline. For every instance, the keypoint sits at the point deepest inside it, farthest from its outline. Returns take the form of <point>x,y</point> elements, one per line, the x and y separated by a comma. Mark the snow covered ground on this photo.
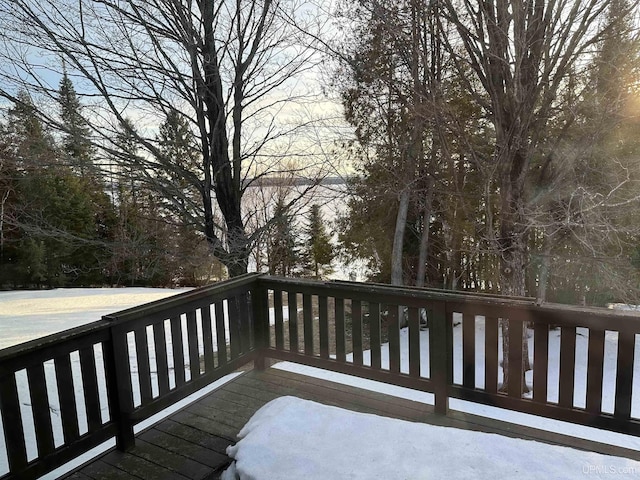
<point>29,314</point>
<point>293,438</point>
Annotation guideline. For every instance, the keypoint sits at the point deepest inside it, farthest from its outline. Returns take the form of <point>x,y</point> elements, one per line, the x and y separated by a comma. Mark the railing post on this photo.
<point>260,306</point>
<point>440,348</point>
<point>119,390</point>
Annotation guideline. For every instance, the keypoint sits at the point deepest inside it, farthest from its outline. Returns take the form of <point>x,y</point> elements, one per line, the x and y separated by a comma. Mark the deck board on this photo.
<point>204,456</point>
<point>191,443</point>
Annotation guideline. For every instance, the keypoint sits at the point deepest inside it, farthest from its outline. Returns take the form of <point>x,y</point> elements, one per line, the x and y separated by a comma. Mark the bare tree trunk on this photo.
<point>541,291</point>
<point>4,201</point>
<point>397,277</point>
<point>513,247</point>
<point>424,238</point>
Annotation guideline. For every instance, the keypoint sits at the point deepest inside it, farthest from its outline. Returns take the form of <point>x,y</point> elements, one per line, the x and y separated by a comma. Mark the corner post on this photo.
<point>260,307</point>
<point>440,339</point>
<point>119,391</point>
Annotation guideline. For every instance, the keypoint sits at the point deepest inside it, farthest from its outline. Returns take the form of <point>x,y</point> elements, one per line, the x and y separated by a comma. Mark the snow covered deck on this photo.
<point>191,443</point>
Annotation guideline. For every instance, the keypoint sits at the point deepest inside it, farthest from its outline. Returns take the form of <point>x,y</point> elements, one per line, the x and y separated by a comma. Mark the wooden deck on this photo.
<point>191,443</point>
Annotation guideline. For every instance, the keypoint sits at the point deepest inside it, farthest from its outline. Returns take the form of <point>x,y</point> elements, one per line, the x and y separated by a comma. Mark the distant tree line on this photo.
<point>72,214</point>
<point>70,217</point>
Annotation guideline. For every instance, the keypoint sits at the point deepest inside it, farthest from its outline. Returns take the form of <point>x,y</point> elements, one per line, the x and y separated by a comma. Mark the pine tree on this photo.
<point>26,139</point>
<point>318,251</point>
<point>187,253</point>
<point>76,143</point>
<point>283,254</point>
<point>55,225</point>
<point>78,155</point>
<point>8,209</point>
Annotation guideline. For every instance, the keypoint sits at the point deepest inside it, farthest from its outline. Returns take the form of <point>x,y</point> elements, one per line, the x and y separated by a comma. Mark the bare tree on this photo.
<point>522,55</point>
<point>232,69</point>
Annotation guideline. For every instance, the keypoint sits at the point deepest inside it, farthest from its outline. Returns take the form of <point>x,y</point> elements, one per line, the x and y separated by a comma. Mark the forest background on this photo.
<point>488,146</point>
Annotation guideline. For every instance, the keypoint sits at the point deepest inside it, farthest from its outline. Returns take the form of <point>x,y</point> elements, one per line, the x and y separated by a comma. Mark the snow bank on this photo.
<point>294,438</point>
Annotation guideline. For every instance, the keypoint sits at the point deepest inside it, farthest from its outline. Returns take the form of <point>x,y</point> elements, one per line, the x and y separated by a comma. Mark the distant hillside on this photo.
<point>294,182</point>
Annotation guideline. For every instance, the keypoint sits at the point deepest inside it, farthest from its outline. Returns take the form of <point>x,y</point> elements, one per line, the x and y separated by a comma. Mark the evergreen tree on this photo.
<point>76,143</point>
<point>318,251</point>
<point>283,251</point>
<point>78,154</point>
<point>26,139</point>
<point>188,253</point>
<point>8,208</point>
<point>55,224</point>
<point>143,235</point>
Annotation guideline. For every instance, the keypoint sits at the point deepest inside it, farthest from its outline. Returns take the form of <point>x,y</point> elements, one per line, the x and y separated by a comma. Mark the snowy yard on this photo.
<point>29,314</point>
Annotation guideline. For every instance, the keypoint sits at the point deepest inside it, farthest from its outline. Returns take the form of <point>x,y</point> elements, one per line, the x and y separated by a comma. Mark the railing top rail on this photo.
<point>527,304</point>
<point>437,291</point>
<point>183,298</point>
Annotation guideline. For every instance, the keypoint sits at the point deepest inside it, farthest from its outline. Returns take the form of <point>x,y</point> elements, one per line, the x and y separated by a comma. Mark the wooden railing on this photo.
<point>110,375</point>
<point>430,361</point>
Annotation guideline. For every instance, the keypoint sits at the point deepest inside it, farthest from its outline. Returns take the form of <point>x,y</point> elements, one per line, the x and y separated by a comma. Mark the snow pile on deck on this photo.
<point>293,438</point>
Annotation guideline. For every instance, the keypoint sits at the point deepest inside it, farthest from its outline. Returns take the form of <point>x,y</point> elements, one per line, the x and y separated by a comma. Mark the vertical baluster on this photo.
<point>177,350</point>
<point>374,334</point>
<point>254,318</point>
<point>12,423</point>
<point>595,371</point>
<point>207,337</point>
<point>192,338</point>
<point>540,361</point>
<point>293,321</point>
<point>68,409</point>
<point>440,341</point>
<point>234,327</point>
<point>340,331</point>
<point>491,354</point>
<point>393,330</point>
<point>414,342</point>
<point>162,365</point>
<point>308,324</point>
<point>356,323</point>
<point>567,365</point>
<point>144,369</point>
<point>40,409</point>
<point>624,375</point>
<point>323,315</point>
<point>119,391</point>
<point>279,322</point>
<point>90,385</point>
<point>468,350</point>
<point>244,323</point>
<point>260,329</point>
<point>514,387</point>
<point>221,333</point>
